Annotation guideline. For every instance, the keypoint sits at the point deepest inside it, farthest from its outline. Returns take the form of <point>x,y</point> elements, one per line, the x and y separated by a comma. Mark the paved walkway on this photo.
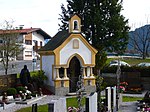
<point>130,106</point>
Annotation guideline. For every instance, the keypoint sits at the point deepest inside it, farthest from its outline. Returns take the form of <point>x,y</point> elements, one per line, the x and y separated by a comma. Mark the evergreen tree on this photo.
<point>102,23</point>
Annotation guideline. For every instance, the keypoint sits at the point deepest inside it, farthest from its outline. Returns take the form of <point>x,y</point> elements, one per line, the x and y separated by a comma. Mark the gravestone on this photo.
<point>91,103</point>
<point>51,107</point>
<point>108,99</point>
<point>57,105</point>
<point>114,98</point>
<point>34,107</point>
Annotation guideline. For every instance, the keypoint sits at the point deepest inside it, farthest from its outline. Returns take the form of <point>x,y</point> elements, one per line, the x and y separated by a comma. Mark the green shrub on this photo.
<point>39,78</point>
<point>11,91</point>
<point>144,71</point>
<point>104,85</point>
<point>20,88</point>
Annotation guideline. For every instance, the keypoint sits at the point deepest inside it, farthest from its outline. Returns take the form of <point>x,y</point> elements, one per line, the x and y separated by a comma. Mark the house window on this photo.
<point>40,43</point>
<point>1,41</point>
<point>75,44</point>
<point>35,47</point>
<point>75,25</point>
<point>28,42</point>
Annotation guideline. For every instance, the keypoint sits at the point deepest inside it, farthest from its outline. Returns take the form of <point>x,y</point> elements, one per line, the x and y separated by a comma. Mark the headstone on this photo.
<point>50,107</point>
<point>91,103</point>
<point>114,99</point>
<point>108,98</point>
<point>56,105</point>
<point>34,107</point>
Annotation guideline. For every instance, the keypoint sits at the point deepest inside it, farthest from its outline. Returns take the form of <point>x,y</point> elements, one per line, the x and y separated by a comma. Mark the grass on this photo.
<point>71,102</point>
<point>129,61</point>
<point>136,61</point>
<point>41,108</point>
<point>130,99</point>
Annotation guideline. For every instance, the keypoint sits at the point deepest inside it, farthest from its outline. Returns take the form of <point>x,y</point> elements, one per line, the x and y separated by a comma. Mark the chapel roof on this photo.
<point>56,41</point>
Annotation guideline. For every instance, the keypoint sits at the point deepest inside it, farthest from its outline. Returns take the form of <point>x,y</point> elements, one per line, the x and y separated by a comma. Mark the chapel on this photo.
<point>67,56</point>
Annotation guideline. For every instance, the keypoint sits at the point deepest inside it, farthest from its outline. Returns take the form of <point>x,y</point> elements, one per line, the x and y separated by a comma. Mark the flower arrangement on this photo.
<point>122,89</point>
<point>73,109</point>
<point>123,86</point>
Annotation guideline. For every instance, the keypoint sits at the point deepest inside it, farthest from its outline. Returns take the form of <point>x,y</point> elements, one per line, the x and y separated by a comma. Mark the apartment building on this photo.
<point>33,39</point>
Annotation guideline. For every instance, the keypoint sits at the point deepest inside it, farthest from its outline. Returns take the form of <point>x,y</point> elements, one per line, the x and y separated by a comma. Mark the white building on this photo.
<point>67,56</point>
<point>33,39</point>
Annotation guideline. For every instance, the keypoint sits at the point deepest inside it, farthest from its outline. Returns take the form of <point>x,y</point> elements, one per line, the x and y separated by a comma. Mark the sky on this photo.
<point>44,14</point>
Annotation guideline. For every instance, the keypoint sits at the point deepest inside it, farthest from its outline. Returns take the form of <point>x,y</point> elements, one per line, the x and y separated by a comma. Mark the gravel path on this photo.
<point>128,107</point>
<point>42,101</point>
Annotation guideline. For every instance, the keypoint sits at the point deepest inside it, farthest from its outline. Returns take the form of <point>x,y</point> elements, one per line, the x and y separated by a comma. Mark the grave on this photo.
<point>91,103</point>
<point>6,105</point>
<point>144,104</point>
<point>56,105</point>
<point>10,103</point>
<point>108,99</point>
<point>29,101</point>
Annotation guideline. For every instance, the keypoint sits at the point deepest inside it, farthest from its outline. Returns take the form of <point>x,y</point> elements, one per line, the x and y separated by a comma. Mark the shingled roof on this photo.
<point>56,41</point>
<point>27,31</point>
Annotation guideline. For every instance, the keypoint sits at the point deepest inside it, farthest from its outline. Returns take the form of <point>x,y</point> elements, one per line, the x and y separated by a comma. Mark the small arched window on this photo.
<point>75,25</point>
<point>75,44</point>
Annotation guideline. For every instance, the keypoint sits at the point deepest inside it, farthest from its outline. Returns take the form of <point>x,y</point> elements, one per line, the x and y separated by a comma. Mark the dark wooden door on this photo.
<point>74,72</point>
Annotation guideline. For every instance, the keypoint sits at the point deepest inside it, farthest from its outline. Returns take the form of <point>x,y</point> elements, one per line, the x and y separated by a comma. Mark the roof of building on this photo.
<point>56,41</point>
<point>27,31</point>
<point>76,14</point>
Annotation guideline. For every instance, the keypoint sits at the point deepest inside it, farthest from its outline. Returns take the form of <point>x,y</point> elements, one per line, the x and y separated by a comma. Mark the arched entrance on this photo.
<point>73,73</point>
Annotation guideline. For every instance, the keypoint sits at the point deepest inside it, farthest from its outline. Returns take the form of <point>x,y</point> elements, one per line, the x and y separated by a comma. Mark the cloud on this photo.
<point>32,13</point>
<point>137,11</point>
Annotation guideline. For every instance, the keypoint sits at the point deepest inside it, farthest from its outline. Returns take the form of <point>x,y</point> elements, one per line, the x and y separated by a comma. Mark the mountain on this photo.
<point>139,41</point>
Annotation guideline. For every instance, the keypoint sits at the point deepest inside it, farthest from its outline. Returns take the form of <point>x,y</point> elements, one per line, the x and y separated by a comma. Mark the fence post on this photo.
<point>34,107</point>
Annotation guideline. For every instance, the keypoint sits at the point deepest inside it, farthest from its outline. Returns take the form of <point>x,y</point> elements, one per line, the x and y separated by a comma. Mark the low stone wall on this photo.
<point>110,78</point>
<point>7,81</point>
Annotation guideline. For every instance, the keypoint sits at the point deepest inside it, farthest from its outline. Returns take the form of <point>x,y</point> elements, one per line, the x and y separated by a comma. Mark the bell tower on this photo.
<point>75,24</point>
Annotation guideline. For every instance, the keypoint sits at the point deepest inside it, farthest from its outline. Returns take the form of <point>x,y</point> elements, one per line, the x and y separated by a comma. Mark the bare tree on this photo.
<point>10,44</point>
<point>140,40</point>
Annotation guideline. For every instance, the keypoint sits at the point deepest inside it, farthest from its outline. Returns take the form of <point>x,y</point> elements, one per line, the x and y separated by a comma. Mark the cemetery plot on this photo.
<point>144,104</point>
